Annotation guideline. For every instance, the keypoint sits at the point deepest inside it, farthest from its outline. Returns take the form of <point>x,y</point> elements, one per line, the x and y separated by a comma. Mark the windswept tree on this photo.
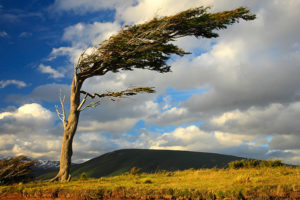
<point>144,46</point>
<point>15,170</point>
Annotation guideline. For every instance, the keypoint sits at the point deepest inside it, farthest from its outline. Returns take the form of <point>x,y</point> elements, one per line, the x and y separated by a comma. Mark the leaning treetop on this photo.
<point>147,46</point>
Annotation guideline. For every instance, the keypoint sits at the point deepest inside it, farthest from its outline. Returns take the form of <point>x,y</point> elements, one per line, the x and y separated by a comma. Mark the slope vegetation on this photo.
<point>120,161</point>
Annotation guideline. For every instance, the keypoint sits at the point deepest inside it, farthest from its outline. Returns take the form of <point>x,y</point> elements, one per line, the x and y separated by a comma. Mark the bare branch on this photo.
<point>82,102</point>
<point>58,113</point>
<point>91,105</point>
<point>127,92</point>
<point>62,114</point>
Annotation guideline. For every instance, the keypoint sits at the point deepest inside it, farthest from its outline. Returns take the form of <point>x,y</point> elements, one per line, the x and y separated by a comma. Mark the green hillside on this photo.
<point>120,161</point>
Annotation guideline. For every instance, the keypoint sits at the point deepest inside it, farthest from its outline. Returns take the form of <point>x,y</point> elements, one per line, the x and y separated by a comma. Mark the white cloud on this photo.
<point>29,130</point>
<point>147,9</point>
<point>192,138</point>
<point>72,52</point>
<point>253,76</point>
<point>35,146</point>
<point>29,113</point>
<point>81,34</point>
<point>27,120</point>
<point>19,84</point>
<point>3,34</point>
<point>45,69</point>
<point>275,119</point>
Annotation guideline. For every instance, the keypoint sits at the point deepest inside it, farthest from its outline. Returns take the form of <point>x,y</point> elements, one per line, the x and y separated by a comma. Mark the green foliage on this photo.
<point>83,176</point>
<point>251,163</point>
<point>147,45</point>
<point>15,170</point>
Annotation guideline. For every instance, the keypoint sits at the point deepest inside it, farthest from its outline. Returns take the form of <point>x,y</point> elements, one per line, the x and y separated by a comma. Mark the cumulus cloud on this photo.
<point>72,52</point>
<point>81,34</point>
<point>19,84</point>
<point>29,130</point>
<point>193,138</point>
<point>147,9</point>
<point>275,119</point>
<point>25,120</point>
<point>35,146</point>
<point>251,73</point>
<point>46,69</point>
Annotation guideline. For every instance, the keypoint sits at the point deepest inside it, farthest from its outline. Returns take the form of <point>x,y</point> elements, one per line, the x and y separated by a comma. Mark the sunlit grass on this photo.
<point>207,183</point>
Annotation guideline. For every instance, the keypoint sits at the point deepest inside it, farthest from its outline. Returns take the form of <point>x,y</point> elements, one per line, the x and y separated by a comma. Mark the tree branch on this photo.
<point>82,102</point>
<point>112,96</point>
<point>62,114</point>
<point>90,105</point>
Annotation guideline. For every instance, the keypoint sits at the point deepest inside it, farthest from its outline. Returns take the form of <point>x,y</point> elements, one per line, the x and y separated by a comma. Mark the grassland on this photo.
<point>256,183</point>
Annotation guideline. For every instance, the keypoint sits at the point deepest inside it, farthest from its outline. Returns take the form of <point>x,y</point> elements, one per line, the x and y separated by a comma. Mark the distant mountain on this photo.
<point>45,167</point>
<point>47,164</point>
<point>120,161</point>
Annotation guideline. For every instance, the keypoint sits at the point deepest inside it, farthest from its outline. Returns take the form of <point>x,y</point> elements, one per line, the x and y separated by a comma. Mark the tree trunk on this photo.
<point>70,127</point>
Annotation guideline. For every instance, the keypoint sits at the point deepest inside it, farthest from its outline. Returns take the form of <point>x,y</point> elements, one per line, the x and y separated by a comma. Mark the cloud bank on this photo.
<point>250,77</point>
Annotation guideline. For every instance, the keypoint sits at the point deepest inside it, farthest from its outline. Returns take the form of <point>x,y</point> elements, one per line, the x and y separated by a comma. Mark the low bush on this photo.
<point>83,176</point>
<point>15,170</point>
<point>251,163</point>
<point>134,171</point>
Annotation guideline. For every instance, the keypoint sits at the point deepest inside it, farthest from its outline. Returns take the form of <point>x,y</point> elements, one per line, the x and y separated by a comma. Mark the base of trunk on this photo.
<point>61,177</point>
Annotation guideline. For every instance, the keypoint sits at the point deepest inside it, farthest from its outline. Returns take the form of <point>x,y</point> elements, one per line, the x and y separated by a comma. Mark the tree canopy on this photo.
<point>148,45</point>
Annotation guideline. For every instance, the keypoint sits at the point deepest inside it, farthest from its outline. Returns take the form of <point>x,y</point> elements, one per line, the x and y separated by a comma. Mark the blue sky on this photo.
<point>237,94</point>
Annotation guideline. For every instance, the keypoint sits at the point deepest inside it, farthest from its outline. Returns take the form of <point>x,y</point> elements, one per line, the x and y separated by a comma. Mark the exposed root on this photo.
<point>69,178</point>
<point>59,176</point>
<point>55,178</point>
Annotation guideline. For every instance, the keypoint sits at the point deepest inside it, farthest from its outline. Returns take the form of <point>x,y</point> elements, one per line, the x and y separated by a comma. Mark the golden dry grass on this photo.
<point>252,183</point>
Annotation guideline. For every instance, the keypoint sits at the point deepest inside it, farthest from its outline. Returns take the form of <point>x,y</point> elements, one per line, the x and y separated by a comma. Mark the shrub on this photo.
<point>15,170</point>
<point>83,176</point>
<point>134,171</point>
<point>251,163</point>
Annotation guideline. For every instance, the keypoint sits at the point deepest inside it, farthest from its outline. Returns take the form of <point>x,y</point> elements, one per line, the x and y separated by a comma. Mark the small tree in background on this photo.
<point>142,46</point>
<point>15,170</point>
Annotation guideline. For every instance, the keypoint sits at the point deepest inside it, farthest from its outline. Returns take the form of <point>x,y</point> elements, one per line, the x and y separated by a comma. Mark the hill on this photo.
<point>120,161</point>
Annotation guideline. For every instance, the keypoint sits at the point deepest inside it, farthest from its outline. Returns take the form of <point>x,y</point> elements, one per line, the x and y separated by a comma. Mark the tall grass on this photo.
<point>242,183</point>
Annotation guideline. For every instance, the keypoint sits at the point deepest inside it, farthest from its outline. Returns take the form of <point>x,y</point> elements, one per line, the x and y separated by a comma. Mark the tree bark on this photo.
<point>70,127</point>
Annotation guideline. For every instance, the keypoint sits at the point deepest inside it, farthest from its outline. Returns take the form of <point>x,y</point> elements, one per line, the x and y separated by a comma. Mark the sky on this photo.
<point>238,94</point>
